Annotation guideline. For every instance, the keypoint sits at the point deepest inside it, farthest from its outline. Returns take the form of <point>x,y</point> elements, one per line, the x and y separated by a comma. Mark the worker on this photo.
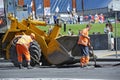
<point>84,44</point>
<point>22,47</point>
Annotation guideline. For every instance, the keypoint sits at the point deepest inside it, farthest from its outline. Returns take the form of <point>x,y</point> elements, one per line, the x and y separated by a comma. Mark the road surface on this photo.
<point>106,71</point>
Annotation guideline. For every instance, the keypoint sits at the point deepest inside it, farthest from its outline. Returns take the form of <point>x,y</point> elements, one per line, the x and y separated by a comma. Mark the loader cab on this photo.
<point>10,6</point>
<point>3,19</point>
<point>6,6</point>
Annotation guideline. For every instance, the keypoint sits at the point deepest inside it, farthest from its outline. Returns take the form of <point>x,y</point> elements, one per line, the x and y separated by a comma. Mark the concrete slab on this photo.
<point>107,54</point>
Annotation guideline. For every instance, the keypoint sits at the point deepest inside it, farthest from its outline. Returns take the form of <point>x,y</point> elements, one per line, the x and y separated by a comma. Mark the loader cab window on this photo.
<point>2,16</point>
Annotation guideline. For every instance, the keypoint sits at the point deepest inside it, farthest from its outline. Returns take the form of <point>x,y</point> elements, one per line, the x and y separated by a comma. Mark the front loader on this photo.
<point>45,48</point>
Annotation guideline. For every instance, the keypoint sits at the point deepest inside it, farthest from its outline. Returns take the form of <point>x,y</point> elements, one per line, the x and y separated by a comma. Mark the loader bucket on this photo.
<point>57,54</point>
<point>69,42</point>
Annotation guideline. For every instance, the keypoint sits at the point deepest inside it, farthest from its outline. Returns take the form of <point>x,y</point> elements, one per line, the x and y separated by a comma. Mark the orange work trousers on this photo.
<point>84,60</point>
<point>21,50</point>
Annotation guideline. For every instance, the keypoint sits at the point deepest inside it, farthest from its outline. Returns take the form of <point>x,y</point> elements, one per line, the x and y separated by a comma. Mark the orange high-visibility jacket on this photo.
<point>25,41</point>
<point>22,47</point>
<point>82,39</point>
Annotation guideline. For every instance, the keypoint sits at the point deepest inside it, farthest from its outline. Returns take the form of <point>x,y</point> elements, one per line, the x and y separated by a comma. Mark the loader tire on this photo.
<point>13,52</point>
<point>13,56</point>
<point>35,52</point>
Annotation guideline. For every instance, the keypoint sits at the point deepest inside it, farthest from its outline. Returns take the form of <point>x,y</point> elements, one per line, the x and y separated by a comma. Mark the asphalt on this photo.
<point>107,71</point>
<point>101,54</point>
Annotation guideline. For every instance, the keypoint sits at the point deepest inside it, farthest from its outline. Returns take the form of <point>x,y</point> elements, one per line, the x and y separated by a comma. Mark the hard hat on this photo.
<point>32,35</point>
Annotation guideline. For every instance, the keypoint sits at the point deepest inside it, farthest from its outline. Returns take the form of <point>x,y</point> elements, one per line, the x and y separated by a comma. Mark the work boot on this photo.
<point>29,67</point>
<point>20,66</point>
<point>81,65</point>
<point>85,65</point>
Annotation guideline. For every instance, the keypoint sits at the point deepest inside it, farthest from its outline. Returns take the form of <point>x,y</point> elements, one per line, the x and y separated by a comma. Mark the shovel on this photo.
<point>94,58</point>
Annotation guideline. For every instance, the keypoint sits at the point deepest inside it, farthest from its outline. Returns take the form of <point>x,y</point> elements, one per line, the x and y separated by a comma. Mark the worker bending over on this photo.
<point>22,47</point>
<point>84,44</point>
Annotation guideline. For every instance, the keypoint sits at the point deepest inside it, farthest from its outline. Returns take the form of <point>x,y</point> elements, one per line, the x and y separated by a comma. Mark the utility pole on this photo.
<point>46,7</point>
<point>74,5</point>
<point>20,2</point>
<point>82,3</point>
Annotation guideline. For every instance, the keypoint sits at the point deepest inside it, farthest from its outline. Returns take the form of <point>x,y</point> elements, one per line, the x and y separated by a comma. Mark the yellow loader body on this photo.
<point>53,51</point>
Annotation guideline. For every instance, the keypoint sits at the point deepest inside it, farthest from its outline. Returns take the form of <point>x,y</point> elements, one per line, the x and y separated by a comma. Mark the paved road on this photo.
<point>7,70</point>
<point>107,71</point>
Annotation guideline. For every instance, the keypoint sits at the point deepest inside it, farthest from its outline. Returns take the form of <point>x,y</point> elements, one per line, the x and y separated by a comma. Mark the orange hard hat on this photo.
<point>32,35</point>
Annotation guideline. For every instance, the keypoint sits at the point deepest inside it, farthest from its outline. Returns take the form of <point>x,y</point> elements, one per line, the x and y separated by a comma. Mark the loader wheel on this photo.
<point>35,52</point>
<point>13,52</point>
<point>13,56</point>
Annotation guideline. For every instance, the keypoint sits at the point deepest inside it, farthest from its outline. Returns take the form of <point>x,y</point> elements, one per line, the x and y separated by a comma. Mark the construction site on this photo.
<point>54,56</point>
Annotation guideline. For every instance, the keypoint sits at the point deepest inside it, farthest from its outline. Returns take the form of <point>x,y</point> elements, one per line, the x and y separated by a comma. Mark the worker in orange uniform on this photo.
<point>22,47</point>
<point>84,44</point>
